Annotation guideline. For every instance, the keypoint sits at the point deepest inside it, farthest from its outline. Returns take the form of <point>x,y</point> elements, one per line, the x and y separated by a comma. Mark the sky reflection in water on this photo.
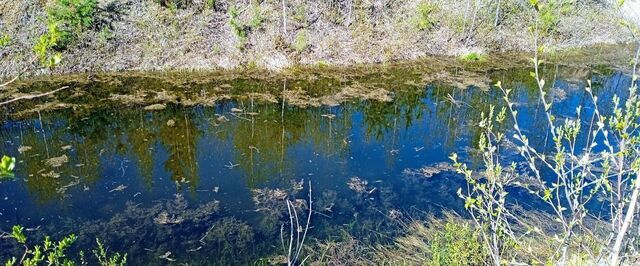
<point>148,182</point>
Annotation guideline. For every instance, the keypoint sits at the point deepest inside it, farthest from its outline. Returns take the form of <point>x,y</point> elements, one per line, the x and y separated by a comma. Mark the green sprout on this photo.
<point>7,164</point>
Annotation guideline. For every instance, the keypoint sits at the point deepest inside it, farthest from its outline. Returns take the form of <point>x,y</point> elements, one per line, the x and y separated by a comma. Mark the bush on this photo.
<point>436,241</point>
<point>301,42</point>
<point>457,244</point>
<point>66,20</point>
<point>175,4</point>
<point>550,13</point>
<point>241,27</point>
<point>44,47</point>
<point>53,253</point>
<point>238,28</point>
<point>74,16</point>
<point>425,20</point>
<point>5,39</point>
<point>56,252</point>
<point>473,57</point>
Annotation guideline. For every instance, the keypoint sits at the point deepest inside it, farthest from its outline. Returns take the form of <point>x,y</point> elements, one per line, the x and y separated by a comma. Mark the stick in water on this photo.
<point>27,97</point>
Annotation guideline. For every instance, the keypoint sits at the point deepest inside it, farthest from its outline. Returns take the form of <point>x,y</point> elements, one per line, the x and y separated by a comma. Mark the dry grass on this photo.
<point>146,36</point>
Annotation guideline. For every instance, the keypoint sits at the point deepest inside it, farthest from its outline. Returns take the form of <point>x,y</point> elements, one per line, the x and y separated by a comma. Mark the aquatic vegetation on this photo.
<point>270,200</point>
<point>429,171</point>
<point>358,185</point>
<point>168,222</point>
<point>229,236</point>
<point>345,252</point>
<point>7,164</point>
<point>113,167</point>
<point>57,161</point>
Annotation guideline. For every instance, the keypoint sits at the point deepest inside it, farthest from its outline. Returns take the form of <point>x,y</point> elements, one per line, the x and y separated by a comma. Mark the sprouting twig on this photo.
<point>33,96</point>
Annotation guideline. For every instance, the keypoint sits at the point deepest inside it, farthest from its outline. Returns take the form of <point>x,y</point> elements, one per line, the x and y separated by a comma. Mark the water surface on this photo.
<point>206,181</point>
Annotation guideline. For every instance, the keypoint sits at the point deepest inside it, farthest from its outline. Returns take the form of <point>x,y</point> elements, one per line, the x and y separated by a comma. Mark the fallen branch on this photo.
<point>33,96</point>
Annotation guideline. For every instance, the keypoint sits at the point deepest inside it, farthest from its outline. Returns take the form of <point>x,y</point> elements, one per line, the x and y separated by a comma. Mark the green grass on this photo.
<point>473,57</point>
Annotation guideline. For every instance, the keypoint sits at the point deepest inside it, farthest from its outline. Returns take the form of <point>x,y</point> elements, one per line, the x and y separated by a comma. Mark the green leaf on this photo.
<point>16,232</point>
<point>7,164</point>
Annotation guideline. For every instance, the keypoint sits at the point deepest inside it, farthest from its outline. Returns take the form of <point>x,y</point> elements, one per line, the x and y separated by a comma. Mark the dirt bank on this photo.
<point>225,34</point>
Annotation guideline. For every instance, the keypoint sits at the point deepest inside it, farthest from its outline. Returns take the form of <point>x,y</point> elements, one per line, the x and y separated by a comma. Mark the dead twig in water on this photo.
<point>231,165</point>
<point>293,253</point>
<point>33,96</point>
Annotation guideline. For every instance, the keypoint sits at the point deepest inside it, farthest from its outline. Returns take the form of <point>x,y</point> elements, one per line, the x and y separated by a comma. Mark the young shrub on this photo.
<point>585,159</point>
<point>301,42</point>
<point>457,244</point>
<point>74,16</point>
<point>105,260</point>
<point>424,17</point>
<point>5,40</point>
<point>486,192</point>
<point>473,57</point>
<point>256,19</point>
<point>238,28</point>
<point>210,4</point>
<point>44,47</point>
<point>549,14</point>
<point>241,28</point>
<point>55,253</point>
<point>50,253</point>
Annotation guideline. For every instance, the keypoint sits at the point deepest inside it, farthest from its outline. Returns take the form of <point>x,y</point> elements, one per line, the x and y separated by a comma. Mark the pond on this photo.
<point>197,168</point>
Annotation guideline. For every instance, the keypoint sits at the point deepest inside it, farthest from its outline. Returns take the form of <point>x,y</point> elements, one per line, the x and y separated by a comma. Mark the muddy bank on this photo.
<point>210,35</point>
<point>297,87</point>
